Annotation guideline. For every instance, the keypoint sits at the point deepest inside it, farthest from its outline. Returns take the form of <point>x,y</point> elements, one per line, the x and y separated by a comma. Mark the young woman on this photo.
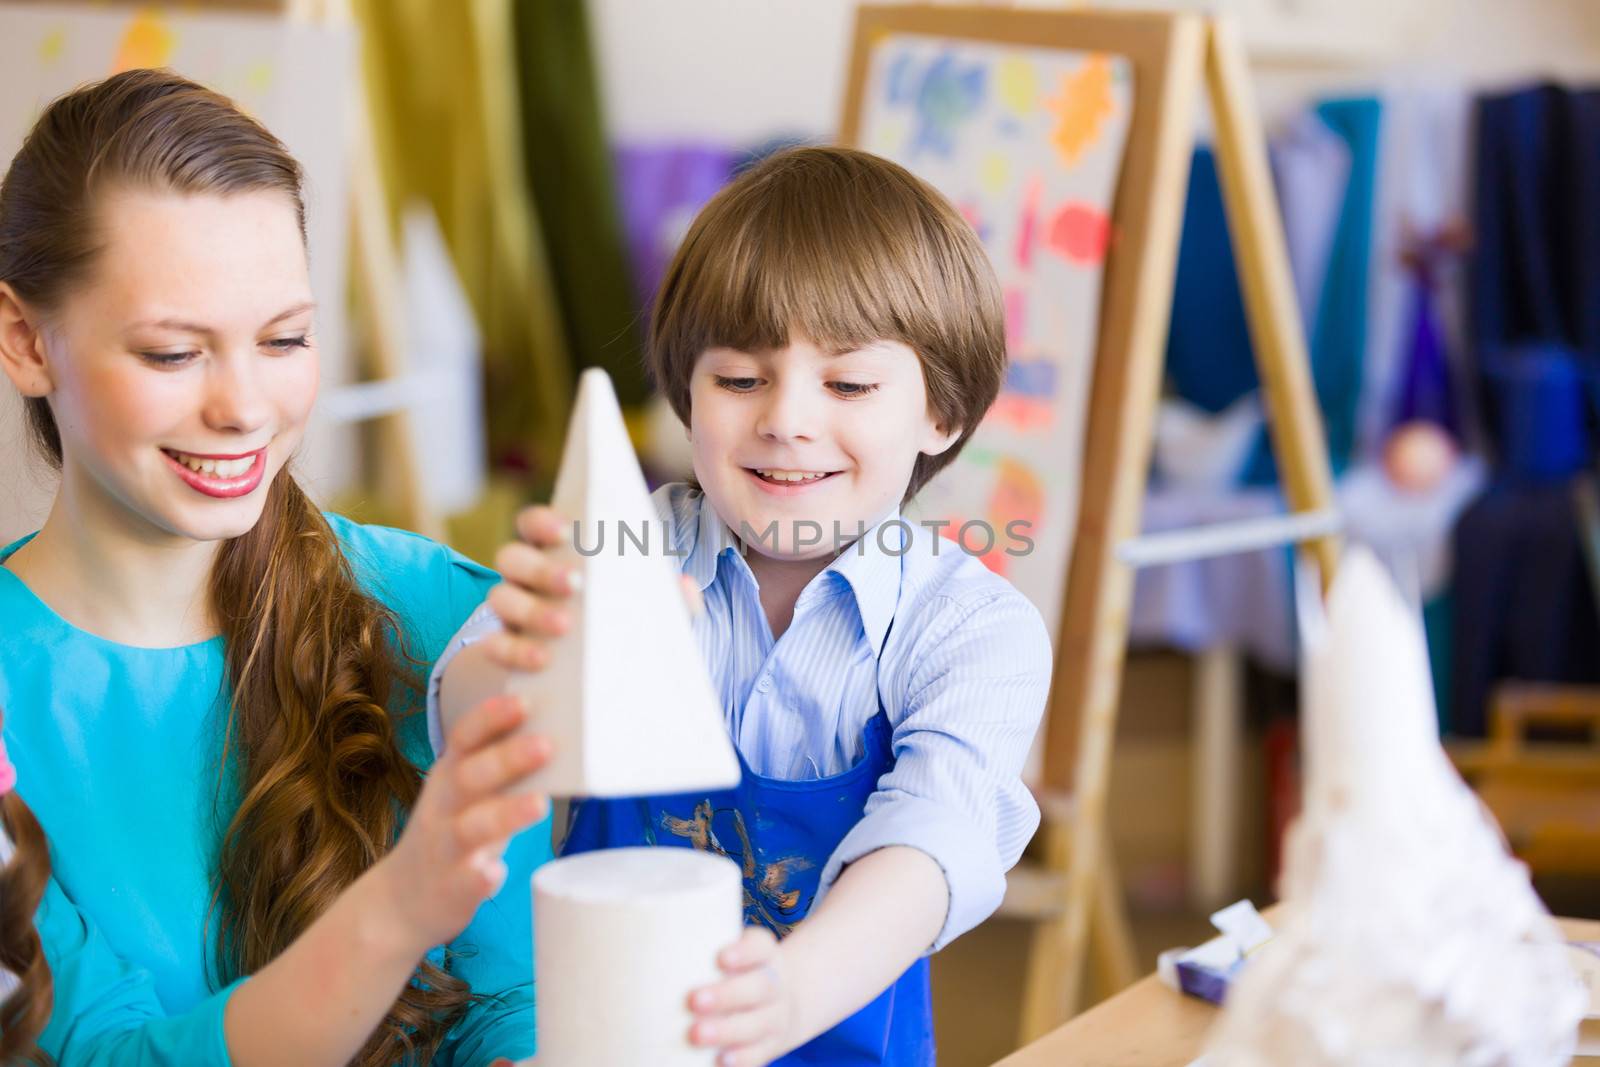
<point>214,689</point>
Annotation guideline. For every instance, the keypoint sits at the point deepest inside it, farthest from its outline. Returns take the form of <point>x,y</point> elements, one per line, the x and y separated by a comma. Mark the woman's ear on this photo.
<point>22,346</point>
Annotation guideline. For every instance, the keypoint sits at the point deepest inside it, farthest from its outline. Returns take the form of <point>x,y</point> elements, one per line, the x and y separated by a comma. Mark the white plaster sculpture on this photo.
<point>625,698</point>
<point>1407,936</point>
<point>624,935</point>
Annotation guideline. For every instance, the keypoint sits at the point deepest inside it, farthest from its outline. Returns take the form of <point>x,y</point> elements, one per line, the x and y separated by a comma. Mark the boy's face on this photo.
<point>807,438</point>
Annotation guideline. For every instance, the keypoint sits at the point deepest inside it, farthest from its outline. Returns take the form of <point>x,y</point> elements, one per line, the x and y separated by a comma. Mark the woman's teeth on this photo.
<point>215,468</point>
<point>792,476</point>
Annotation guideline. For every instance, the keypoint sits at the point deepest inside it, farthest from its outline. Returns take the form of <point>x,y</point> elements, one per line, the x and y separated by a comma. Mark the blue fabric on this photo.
<point>963,676</point>
<point>1535,308</point>
<point>781,833</point>
<point>1210,360</point>
<point>1338,341</point>
<point>118,751</point>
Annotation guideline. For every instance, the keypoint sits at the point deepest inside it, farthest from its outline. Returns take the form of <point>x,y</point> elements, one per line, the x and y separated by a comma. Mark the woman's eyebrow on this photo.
<point>305,305</point>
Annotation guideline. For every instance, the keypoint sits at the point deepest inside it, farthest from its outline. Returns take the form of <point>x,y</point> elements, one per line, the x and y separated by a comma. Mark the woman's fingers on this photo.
<point>541,527</point>
<point>485,722</point>
<point>498,817</point>
<point>493,767</point>
<point>526,613</point>
<point>535,571</point>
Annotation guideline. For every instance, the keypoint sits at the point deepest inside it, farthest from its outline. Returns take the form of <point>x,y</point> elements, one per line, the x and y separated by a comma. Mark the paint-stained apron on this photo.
<point>781,833</point>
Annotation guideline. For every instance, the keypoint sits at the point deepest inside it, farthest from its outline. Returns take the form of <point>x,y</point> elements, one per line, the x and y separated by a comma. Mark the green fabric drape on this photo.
<point>574,192</point>
<point>443,98</point>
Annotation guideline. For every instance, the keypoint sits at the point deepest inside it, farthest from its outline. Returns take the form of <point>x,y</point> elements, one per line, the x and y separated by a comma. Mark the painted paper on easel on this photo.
<point>1027,143</point>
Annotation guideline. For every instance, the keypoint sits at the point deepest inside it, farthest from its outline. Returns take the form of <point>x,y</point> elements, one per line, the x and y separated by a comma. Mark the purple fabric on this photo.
<point>661,187</point>
<point>1425,390</point>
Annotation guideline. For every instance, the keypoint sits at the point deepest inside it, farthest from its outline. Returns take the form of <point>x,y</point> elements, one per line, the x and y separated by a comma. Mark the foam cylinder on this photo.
<point>622,936</point>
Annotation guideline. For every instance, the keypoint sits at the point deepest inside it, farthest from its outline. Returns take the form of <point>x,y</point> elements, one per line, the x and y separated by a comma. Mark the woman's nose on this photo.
<point>235,400</point>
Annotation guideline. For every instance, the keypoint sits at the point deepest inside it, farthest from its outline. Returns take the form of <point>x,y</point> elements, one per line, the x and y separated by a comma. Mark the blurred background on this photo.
<point>497,185</point>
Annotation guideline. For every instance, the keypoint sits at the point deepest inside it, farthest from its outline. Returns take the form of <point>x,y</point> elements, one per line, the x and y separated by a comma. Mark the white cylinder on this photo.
<point>622,936</point>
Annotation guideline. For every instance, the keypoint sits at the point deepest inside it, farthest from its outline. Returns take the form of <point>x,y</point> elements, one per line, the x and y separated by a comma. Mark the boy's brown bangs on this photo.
<point>781,273</point>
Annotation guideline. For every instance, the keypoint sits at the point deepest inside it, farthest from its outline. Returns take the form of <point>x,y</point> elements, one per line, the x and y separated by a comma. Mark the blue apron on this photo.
<point>782,834</point>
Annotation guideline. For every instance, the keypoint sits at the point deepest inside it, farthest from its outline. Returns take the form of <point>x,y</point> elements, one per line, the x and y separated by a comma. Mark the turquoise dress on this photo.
<point>117,750</point>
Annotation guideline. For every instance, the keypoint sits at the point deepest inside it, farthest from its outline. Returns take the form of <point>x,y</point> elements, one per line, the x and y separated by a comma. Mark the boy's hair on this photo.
<point>841,248</point>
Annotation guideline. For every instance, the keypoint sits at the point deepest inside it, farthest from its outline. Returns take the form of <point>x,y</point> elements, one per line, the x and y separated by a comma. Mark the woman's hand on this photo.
<point>448,859</point>
<point>750,1014</point>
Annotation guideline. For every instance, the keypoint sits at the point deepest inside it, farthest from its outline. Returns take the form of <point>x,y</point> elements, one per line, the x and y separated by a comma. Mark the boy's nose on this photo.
<point>788,415</point>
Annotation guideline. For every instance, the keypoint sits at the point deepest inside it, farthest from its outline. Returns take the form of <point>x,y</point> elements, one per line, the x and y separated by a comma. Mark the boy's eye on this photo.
<point>168,359</point>
<point>736,385</point>
<point>853,389</point>
<point>288,344</point>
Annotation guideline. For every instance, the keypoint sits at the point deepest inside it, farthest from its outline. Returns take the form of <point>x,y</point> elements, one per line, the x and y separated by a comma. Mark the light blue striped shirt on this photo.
<point>958,658</point>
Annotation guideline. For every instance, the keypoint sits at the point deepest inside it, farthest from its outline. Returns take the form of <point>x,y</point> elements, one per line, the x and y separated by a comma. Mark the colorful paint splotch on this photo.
<point>1080,233</point>
<point>1081,108</point>
<point>950,110</point>
<point>1017,84</point>
<point>947,94</point>
<point>147,42</point>
<point>52,45</point>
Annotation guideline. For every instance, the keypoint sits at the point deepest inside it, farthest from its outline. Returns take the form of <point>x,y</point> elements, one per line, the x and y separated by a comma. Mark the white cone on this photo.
<point>625,699</point>
<point>1407,936</point>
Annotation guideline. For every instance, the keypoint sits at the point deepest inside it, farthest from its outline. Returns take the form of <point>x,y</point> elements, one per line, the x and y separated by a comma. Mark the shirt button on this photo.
<point>765,683</point>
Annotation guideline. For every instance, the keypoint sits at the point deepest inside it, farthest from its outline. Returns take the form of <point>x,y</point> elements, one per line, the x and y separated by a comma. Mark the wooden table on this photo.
<point>1149,1025</point>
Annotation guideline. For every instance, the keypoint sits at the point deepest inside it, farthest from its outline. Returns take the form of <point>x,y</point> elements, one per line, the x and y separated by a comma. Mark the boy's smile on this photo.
<point>794,444</point>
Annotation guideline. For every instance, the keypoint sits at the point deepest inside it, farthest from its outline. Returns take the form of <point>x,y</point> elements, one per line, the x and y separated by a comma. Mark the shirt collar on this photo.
<point>869,567</point>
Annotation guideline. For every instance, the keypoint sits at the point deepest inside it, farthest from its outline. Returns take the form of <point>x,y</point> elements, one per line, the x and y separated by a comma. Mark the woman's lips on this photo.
<point>213,484</point>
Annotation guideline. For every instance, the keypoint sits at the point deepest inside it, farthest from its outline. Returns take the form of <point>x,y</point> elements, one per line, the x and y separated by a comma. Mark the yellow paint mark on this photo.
<point>53,45</point>
<point>1017,84</point>
<point>147,42</point>
<point>996,173</point>
<point>258,79</point>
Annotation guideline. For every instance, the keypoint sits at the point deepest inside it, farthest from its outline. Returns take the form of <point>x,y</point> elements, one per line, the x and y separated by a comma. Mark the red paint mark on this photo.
<point>1079,233</point>
<point>1028,223</point>
<point>1016,318</point>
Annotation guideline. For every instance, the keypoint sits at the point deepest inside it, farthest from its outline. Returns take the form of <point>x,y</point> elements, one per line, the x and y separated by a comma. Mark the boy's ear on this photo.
<point>22,346</point>
<point>936,441</point>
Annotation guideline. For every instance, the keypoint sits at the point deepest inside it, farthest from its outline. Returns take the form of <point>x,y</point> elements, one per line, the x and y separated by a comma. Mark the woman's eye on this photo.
<point>168,359</point>
<point>288,344</point>
<point>853,389</point>
<point>736,385</point>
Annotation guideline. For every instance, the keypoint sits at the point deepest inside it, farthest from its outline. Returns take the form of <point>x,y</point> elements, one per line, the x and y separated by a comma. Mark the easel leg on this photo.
<point>1214,813</point>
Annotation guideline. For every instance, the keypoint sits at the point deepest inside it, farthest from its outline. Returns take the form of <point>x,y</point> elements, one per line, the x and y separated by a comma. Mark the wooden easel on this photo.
<point>1072,891</point>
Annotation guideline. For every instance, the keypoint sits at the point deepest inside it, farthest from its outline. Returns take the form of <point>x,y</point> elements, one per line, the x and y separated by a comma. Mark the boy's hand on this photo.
<point>530,601</point>
<point>447,861</point>
<point>750,1014</point>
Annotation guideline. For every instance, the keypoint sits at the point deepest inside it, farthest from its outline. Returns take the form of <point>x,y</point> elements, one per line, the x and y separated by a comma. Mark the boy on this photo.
<point>831,334</point>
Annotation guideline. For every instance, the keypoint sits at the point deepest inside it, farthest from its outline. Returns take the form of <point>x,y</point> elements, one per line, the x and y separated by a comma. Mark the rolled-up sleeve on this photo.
<point>480,624</point>
<point>976,690</point>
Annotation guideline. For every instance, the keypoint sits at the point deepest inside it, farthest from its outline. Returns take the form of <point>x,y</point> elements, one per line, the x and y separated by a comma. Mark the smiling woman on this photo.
<point>206,680</point>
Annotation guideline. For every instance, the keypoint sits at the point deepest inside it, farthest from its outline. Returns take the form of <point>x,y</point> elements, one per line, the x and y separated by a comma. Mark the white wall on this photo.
<point>740,71</point>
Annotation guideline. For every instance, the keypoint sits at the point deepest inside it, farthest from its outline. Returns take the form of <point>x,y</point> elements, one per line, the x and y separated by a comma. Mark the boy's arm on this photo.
<point>955,792</point>
<point>927,861</point>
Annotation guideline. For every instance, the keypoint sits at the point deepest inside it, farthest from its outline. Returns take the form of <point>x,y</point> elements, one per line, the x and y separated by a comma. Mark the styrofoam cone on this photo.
<point>625,698</point>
